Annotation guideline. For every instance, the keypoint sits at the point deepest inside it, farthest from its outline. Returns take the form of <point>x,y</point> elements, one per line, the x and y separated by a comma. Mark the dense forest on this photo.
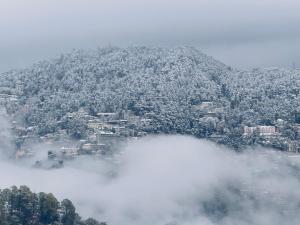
<point>164,84</point>
<point>20,206</point>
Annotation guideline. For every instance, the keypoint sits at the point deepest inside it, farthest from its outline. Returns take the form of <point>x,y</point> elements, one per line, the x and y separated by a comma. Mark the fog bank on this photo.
<point>174,180</point>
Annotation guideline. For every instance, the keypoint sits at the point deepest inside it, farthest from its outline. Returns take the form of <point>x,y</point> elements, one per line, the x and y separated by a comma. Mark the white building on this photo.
<point>266,130</point>
<point>249,130</point>
<point>261,130</point>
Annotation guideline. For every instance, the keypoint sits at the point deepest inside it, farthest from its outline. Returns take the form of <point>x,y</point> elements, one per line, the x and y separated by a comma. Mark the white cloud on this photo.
<point>174,178</point>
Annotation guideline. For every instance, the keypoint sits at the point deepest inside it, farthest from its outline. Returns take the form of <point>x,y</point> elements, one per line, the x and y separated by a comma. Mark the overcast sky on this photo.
<point>241,33</point>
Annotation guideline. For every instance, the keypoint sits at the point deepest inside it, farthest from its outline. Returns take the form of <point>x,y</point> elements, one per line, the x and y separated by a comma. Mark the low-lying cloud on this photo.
<point>174,180</point>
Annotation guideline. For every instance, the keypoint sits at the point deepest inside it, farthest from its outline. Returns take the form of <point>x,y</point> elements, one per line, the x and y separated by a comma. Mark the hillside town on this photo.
<point>107,132</point>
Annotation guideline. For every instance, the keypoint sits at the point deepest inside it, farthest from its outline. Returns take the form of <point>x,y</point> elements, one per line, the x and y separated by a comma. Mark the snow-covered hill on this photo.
<point>167,84</point>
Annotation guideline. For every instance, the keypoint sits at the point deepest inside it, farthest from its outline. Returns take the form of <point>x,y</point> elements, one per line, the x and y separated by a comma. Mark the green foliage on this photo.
<point>91,221</point>
<point>68,212</point>
<point>19,206</point>
<point>48,208</point>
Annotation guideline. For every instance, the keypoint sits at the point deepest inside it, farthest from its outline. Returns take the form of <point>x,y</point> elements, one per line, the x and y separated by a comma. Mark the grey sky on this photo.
<point>243,34</point>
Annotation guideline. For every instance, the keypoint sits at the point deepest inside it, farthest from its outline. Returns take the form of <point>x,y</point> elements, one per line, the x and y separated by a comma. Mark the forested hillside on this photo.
<point>19,206</point>
<point>164,82</point>
<point>165,85</point>
<point>262,96</point>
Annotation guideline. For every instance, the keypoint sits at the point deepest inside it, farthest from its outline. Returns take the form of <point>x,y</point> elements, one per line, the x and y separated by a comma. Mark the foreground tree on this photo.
<point>19,206</point>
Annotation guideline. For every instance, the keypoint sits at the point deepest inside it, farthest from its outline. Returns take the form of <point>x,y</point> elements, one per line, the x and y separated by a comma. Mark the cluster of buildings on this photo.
<point>212,115</point>
<point>105,134</point>
<point>272,136</point>
<point>260,130</point>
<point>7,98</point>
